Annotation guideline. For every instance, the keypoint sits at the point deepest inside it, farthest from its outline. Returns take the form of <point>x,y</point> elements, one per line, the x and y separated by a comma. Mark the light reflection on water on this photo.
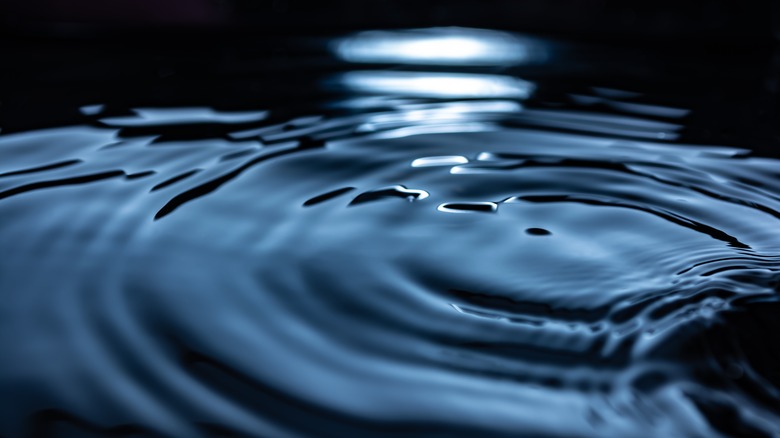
<point>441,85</point>
<point>439,46</point>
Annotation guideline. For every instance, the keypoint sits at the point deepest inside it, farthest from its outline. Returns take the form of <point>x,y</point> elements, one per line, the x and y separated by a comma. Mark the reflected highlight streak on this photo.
<point>437,85</point>
<point>437,46</point>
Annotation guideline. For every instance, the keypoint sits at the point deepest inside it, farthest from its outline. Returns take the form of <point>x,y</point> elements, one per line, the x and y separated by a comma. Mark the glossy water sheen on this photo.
<point>410,262</point>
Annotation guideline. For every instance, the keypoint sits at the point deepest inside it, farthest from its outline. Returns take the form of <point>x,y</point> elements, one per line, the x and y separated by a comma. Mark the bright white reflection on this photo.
<point>424,84</point>
<point>444,112</point>
<point>436,129</point>
<point>437,46</point>
<point>428,118</point>
<point>447,160</point>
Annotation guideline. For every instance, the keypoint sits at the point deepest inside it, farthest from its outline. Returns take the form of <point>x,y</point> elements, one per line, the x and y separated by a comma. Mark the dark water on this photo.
<point>408,239</point>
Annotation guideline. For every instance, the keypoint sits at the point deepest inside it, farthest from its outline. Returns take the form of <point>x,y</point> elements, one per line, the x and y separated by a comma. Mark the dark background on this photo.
<point>713,20</point>
<point>719,58</point>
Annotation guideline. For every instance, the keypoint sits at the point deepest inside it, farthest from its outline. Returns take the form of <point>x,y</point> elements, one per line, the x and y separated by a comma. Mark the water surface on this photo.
<point>430,245</point>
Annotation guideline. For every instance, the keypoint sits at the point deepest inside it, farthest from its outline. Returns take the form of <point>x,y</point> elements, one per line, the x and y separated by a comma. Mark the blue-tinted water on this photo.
<point>430,253</point>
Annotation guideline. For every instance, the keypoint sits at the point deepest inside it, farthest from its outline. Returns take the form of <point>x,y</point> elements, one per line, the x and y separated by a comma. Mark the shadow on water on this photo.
<point>434,232</point>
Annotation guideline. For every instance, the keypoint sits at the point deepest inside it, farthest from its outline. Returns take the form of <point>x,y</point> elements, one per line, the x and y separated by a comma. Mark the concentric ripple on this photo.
<point>422,266</point>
